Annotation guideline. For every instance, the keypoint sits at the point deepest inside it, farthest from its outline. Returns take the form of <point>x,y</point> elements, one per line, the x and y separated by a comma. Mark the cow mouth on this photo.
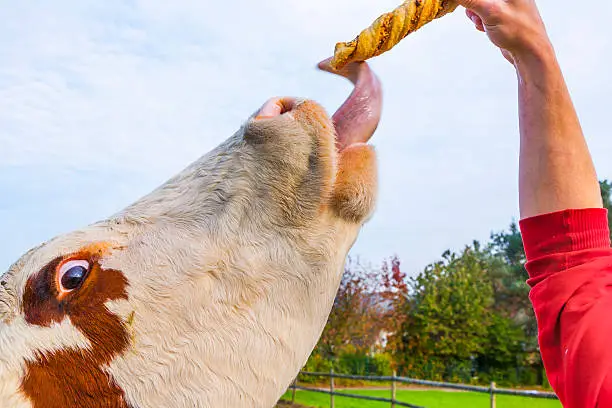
<point>357,118</point>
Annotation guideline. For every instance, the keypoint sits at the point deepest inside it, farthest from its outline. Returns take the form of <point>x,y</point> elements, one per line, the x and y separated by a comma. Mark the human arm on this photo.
<point>564,227</point>
<point>556,171</point>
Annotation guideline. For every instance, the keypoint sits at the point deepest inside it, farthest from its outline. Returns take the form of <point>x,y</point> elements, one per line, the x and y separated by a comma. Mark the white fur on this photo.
<point>232,265</point>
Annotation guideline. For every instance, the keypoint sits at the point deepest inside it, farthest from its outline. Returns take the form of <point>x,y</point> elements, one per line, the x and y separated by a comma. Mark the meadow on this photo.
<point>424,398</point>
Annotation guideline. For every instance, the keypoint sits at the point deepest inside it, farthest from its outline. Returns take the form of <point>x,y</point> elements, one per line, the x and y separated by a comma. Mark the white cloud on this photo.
<point>93,90</point>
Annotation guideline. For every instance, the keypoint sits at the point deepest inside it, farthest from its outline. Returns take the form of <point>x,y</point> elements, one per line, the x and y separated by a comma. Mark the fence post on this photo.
<point>293,392</point>
<point>393,389</point>
<point>331,387</point>
<point>492,394</point>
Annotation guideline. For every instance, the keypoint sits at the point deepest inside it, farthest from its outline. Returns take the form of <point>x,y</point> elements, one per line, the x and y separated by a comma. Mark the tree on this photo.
<point>447,317</point>
<point>394,293</point>
<point>464,316</point>
<point>394,280</point>
<point>507,271</point>
<point>606,191</point>
<point>503,354</point>
<point>356,318</point>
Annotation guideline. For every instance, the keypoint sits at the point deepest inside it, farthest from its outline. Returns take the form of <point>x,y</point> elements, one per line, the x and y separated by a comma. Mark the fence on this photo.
<point>394,380</point>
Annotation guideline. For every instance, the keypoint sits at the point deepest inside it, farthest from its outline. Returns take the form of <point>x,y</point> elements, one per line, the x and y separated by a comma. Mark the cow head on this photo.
<point>212,290</point>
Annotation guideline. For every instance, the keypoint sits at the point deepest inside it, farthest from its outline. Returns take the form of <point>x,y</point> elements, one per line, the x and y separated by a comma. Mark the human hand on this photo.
<point>515,26</point>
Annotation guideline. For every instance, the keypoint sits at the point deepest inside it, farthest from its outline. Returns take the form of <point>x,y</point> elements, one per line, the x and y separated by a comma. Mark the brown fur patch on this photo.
<point>71,377</point>
<point>356,183</point>
<point>312,115</point>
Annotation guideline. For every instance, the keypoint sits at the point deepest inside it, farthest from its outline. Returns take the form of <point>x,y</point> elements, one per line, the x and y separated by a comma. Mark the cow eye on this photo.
<point>72,274</point>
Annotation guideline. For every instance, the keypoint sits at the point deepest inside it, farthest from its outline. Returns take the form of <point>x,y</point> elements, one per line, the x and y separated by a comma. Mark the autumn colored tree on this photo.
<point>395,292</point>
<point>393,279</point>
<point>357,316</point>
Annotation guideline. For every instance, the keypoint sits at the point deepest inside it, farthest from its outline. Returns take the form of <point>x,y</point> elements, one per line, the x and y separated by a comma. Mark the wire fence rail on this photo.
<point>492,390</point>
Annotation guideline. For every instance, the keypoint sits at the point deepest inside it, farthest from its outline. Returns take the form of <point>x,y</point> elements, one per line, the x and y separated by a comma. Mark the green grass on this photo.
<point>427,399</point>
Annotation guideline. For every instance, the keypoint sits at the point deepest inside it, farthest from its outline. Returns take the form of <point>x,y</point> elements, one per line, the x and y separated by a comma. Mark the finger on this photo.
<point>471,15</point>
<point>482,7</point>
<point>476,20</point>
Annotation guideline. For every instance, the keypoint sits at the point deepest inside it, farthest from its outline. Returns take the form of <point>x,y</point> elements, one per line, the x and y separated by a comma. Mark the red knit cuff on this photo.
<point>565,231</point>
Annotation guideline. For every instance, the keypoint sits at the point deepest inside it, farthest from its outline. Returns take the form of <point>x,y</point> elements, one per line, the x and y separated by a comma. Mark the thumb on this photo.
<point>480,7</point>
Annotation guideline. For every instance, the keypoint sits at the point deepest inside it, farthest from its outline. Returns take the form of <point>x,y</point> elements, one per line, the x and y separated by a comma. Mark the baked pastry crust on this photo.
<point>389,29</point>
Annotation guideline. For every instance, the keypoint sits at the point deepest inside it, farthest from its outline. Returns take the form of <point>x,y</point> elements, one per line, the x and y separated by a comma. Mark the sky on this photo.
<point>100,102</point>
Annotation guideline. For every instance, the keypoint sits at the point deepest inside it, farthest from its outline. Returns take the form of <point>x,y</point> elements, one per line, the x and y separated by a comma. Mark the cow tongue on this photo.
<point>358,117</point>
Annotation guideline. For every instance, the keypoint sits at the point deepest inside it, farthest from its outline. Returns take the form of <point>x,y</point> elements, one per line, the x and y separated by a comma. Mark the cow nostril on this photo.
<point>287,105</point>
<point>275,107</point>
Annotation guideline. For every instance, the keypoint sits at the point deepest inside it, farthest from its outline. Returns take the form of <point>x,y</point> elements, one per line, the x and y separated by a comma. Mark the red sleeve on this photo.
<point>569,261</point>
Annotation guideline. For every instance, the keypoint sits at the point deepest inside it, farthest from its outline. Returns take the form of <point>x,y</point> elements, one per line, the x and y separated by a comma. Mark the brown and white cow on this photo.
<point>212,290</point>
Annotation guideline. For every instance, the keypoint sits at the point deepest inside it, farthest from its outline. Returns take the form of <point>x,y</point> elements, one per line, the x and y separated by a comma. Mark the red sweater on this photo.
<point>569,261</point>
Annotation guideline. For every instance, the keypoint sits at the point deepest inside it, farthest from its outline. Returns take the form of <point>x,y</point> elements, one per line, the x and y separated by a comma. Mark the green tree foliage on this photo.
<point>606,191</point>
<point>464,318</point>
<point>512,303</point>
<point>503,357</point>
<point>449,312</point>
